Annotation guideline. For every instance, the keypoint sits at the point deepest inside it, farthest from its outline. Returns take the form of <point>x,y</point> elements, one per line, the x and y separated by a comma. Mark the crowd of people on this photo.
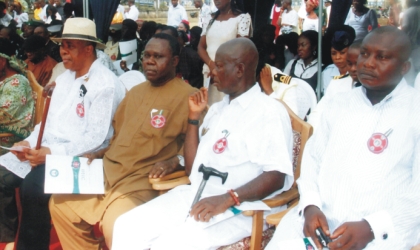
<point>210,99</point>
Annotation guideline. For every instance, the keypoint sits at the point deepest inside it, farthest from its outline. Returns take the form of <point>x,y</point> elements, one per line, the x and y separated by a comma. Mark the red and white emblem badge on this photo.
<point>220,146</point>
<point>378,142</point>
<point>80,110</point>
<point>158,121</point>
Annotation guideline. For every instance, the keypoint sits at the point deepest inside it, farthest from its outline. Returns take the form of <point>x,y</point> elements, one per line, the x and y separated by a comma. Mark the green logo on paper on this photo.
<point>54,172</point>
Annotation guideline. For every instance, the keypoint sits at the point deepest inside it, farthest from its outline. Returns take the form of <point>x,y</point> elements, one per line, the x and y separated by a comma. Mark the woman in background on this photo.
<point>306,67</point>
<point>16,103</point>
<point>362,19</point>
<point>228,23</point>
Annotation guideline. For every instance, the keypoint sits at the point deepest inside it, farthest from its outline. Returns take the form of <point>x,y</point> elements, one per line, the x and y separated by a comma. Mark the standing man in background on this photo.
<point>132,13</point>
<point>176,14</point>
<point>205,13</point>
<point>289,19</point>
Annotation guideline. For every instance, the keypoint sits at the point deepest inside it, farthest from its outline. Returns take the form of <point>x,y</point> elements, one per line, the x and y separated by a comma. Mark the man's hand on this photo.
<point>352,235</point>
<point>314,218</point>
<point>20,155</point>
<point>208,207</point>
<point>266,80</point>
<point>36,157</point>
<point>163,168</point>
<point>95,155</point>
<point>197,102</point>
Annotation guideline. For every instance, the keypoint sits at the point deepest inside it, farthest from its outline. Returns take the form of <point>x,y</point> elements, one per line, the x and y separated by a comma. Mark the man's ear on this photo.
<point>405,67</point>
<point>240,70</point>
<point>89,49</point>
<point>175,61</point>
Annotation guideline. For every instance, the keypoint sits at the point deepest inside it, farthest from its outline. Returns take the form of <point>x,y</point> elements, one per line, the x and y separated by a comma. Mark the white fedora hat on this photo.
<point>80,28</point>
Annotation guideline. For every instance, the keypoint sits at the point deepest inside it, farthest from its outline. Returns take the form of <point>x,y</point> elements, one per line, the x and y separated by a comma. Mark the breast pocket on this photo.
<point>156,123</point>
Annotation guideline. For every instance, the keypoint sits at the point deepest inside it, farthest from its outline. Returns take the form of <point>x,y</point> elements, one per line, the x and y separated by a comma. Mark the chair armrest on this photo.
<point>278,200</point>
<point>170,176</point>
<point>169,184</point>
<point>283,198</point>
<point>274,219</point>
<point>5,135</point>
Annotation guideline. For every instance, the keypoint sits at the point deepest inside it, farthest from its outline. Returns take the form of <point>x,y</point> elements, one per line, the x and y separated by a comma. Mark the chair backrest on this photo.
<point>306,97</point>
<point>132,78</point>
<point>37,95</point>
<point>301,133</point>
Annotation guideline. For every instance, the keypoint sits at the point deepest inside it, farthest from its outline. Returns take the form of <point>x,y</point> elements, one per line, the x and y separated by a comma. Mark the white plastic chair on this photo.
<point>132,78</point>
<point>298,95</point>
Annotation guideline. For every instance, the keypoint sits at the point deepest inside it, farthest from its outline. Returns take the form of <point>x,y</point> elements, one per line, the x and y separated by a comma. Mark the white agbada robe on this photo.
<point>259,140</point>
<point>65,132</point>
<point>348,182</point>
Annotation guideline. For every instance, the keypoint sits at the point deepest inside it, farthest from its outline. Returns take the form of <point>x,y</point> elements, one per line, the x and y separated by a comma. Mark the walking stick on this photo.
<point>44,118</point>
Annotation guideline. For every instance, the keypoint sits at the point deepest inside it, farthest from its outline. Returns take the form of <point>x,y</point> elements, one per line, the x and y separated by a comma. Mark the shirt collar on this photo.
<point>300,61</point>
<point>86,76</point>
<point>397,90</point>
<point>245,98</point>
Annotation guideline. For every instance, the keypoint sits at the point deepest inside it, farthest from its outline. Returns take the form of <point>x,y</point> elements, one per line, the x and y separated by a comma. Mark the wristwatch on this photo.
<point>181,160</point>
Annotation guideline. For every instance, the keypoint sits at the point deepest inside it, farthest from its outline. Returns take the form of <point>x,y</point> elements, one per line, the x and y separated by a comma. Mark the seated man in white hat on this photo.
<point>150,126</point>
<point>360,177</point>
<point>79,121</point>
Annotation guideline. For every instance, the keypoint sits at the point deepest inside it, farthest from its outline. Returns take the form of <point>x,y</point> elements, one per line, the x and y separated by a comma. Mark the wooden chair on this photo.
<point>301,133</point>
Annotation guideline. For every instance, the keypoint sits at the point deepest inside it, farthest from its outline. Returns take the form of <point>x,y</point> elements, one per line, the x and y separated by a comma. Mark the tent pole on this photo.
<point>320,19</point>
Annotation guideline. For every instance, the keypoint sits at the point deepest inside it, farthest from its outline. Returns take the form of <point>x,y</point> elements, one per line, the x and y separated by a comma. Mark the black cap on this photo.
<point>343,37</point>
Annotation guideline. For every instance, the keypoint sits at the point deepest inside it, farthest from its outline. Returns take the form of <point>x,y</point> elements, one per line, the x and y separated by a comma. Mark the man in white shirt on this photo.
<point>248,135</point>
<point>176,14</point>
<point>43,13</point>
<point>79,120</point>
<point>205,13</point>
<point>132,12</point>
<point>289,18</point>
<point>360,178</point>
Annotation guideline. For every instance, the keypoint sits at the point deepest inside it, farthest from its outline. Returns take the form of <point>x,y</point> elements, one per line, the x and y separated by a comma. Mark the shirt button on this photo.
<point>385,236</point>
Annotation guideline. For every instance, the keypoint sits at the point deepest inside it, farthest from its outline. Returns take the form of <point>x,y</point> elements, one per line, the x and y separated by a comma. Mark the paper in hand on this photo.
<point>15,148</point>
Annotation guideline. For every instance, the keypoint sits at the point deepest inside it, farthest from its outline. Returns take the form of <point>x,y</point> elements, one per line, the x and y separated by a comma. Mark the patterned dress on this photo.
<point>16,110</point>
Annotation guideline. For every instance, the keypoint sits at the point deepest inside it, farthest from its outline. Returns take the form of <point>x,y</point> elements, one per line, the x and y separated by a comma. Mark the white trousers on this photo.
<point>161,224</point>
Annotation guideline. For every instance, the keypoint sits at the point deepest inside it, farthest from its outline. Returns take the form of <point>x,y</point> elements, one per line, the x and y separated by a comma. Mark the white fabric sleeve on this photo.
<point>346,22</point>
<point>312,157</point>
<point>244,25</point>
<point>381,225</point>
<point>99,121</point>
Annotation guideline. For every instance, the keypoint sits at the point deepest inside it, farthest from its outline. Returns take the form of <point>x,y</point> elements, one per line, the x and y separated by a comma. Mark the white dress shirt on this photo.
<point>65,132</point>
<point>133,13</point>
<point>348,182</point>
<point>176,15</point>
<point>20,19</point>
<point>205,16</point>
<point>290,18</point>
<point>247,154</point>
<point>43,14</point>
